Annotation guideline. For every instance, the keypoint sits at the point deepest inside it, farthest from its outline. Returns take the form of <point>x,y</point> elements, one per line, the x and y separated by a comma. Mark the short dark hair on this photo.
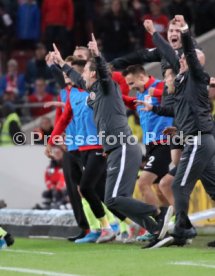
<point>134,69</point>
<point>93,66</point>
<point>79,62</point>
<point>171,22</point>
<point>75,61</point>
<point>69,59</point>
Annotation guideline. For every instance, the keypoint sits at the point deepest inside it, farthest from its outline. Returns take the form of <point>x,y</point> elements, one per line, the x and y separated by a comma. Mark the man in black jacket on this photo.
<point>153,55</point>
<point>123,153</point>
<point>193,117</point>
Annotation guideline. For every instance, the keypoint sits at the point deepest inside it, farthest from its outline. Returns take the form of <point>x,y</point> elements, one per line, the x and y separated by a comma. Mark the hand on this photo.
<point>149,26</point>
<point>48,151</point>
<point>49,59</point>
<point>93,47</point>
<point>57,56</point>
<point>147,106</point>
<point>179,20</point>
<point>151,91</point>
<point>170,131</point>
<point>55,104</point>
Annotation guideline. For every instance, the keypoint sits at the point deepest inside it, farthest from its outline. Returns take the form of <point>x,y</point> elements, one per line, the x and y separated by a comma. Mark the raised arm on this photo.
<point>195,67</point>
<point>75,77</point>
<point>163,111</point>
<point>163,46</point>
<point>55,70</point>
<point>71,73</point>
<point>159,110</point>
<point>167,52</point>
<point>58,75</point>
<point>104,75</point>
<point>137,57</point>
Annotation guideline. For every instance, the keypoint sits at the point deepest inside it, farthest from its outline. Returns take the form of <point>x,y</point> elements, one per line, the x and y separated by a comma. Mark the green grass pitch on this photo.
<point>59,257</point>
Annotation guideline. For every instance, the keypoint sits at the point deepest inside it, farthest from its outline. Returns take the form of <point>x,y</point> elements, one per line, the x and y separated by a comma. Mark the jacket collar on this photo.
<point>149,82</point>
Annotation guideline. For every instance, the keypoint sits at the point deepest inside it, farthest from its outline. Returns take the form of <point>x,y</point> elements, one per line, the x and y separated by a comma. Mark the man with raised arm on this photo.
<point>193,117</point>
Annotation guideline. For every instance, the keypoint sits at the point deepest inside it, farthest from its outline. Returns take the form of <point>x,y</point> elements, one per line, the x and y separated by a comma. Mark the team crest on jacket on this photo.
<point>92,96</point>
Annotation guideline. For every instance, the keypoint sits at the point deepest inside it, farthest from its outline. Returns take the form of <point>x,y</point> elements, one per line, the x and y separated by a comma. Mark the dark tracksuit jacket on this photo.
<point>192,114</point>
<point>123,158</point>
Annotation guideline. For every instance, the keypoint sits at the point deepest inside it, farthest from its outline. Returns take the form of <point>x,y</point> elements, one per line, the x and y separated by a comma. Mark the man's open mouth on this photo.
<point>174,40</point>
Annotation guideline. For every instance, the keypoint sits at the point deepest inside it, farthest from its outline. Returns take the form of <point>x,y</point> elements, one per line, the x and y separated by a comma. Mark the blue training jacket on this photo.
<point>149,121</point>
<point>86,131</point>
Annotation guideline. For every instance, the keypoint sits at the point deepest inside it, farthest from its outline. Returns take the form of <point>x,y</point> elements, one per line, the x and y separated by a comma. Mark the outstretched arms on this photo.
<point>137,57</point>
<point>159,110</point>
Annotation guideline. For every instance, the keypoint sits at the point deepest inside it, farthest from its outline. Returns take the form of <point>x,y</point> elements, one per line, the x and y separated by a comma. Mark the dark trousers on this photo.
<point>197,162</point>
<point>122,167</point>
<point>93,180</point>
<point>72,168</point>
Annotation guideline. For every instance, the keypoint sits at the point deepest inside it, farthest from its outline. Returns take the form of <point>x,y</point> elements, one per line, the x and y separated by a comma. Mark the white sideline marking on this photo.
<point>34,271</point>
<point>29,251</point>
<point>194,264</point>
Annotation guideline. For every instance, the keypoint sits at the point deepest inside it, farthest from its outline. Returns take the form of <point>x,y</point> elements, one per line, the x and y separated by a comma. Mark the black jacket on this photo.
<point>143,56</point>
<point>191,107</point>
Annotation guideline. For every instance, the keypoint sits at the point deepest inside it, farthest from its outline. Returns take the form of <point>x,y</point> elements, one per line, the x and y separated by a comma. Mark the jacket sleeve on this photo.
<point>137,57</point>
<point>58,75</point>
<point>58,112</point>
<point>194,65</point>
<point>118,78</point>
<point>74,76</point>
<point>104,75</point>
<point>158,91</point>
<point>163,111</point>
<point>129,102</point>
<point>166,51</point>
<point>62,123</point>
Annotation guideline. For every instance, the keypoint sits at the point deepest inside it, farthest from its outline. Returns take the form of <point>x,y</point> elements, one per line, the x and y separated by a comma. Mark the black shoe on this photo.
<point>156,243</point>
<point>9,239</point>
<point>180,242</point>
<point>211,244</point>
<point>180,233</point>
<point>163,223</point>
<point>79,236</point>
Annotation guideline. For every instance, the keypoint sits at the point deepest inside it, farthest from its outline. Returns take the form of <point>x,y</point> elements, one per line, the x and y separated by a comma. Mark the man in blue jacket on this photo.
<point>158,156</point>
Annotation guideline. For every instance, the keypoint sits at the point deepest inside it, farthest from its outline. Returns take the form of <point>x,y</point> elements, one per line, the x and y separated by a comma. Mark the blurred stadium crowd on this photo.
<point>28,28</point>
